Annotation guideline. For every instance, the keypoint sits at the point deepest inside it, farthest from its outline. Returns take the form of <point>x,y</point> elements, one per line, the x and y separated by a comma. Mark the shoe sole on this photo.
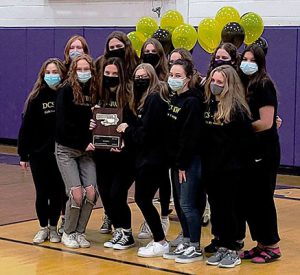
<point>232,265</point>
<point>149,256</point>
<point>214,264</point>
<point>186,261</point>
<point>170,257</point>
<point>84,246</point>
<point>69,246</point>
<point>119,247</point>
<point>142,237</point>
<point>54,241</point>
<point>105,231</point>
<point>108,245</point>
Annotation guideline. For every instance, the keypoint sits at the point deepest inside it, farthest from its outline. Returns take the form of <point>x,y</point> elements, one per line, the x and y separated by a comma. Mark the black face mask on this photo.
<point>139,87</point>
<point>110,81</point>
<point>151,58</point>
<point>220,62</point>
<point>117,53</point>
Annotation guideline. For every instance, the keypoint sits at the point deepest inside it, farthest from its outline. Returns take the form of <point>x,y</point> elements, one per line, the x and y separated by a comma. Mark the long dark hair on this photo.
<point>123,89</point>
<point>261,75</point>
<point>162,66</point>
<point>40,84</point>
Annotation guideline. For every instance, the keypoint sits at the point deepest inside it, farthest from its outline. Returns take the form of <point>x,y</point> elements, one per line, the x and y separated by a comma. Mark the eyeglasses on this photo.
<point>141,76</point>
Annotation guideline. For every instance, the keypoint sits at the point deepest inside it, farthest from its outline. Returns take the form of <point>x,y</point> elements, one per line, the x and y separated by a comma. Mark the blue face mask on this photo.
<point>84,77</point>
<point>176,84</point>
<point>248,68</point>
<point>74,54</point>
<point>52,80</point>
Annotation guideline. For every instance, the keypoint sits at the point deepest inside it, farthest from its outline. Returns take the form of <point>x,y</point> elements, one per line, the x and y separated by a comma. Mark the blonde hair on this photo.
<point>155,86</point>
<point>232,98</point>
<point>72,80</point>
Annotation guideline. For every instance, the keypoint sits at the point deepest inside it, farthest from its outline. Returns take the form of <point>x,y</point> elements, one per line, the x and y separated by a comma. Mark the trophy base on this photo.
<point>106,142</point>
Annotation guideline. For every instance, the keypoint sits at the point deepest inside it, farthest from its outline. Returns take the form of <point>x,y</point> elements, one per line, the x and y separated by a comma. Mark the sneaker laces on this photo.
<point>149,244</point>
<point>180,247</point>
<point>72,236</point>
<point>41,233</point>
<point>117,235</point>
<point>81,237</point>
<point>230,255</point>
<point>222,252</point>
<point>123,240</point>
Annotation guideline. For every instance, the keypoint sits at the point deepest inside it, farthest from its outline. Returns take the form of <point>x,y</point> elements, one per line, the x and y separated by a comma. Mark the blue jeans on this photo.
<point>192,199</point>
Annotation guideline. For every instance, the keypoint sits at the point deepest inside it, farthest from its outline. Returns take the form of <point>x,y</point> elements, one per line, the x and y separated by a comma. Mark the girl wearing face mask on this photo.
<point>73,146</point>
<point>36,146</point>
<point>261,216</point>
<point>119,45</point>
<point>227,157</point>
<point>115,168</point>
<point>75,46</point>
<point>153,53</point>
<point>149,106</point>
<point>185,121</point>
<point>224,54</point>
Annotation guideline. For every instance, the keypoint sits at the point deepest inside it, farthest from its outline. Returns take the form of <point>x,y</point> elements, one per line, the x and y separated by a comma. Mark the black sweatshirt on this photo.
<point>228,146</point>
<point>148,133</point>
<point>72,120</point>
<point>37,130</point>
<point>185,128</point>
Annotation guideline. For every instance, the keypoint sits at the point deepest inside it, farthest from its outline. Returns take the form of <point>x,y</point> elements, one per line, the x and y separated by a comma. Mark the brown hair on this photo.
<point>40,83</point>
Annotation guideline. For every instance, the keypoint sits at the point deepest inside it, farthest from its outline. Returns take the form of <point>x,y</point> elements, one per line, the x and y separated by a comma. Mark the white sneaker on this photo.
<point>54,237</point>
<point>153,249</point>
<point>145,232</point>
<point>82,241</point>
<point>165,223</point>
<point>41,236</point>
<point>69,240</point>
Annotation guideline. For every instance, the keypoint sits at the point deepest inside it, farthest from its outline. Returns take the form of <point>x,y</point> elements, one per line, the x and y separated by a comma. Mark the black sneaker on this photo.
<point>212,247</point>
<point>106,226</point>
<point>190,255</point>
<point>117,235</point>
<point>125,242</point>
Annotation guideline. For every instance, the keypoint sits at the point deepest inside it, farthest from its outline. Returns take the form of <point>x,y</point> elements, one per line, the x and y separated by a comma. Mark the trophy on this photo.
<point>105,135</point>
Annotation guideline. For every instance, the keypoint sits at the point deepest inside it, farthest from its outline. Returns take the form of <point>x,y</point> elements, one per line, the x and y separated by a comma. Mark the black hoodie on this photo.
<point>185,128</point>
<point>37,130</point>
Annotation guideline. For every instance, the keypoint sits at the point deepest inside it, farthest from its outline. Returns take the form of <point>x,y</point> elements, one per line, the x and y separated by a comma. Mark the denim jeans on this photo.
<point>77,169</point>
<point>191,199</point>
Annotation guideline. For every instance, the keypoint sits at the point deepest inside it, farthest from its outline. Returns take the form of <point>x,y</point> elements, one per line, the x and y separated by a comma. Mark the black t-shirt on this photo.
<point>260,95</point>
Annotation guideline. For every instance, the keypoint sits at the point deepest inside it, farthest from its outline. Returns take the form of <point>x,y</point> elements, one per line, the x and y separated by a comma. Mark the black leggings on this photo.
<point>49,188</point>
<point>165,194</point>
<point>148,180</point>
<point>115,175</point>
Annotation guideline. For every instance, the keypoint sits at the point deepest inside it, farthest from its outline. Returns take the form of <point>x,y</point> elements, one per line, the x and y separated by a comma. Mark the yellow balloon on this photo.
<point>170,20</point>
<point>226,15</point>
<point>137,40</point>
<point>205,47</point>
<point>184,36</point>
<point>209,34</point>
<point>147,26</point>
<point>253,26</point>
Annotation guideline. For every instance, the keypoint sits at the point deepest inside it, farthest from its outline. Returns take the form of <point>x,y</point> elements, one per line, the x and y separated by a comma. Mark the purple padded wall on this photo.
<point>297,107</point>
<point>281,65</point>
<point>13,56</point>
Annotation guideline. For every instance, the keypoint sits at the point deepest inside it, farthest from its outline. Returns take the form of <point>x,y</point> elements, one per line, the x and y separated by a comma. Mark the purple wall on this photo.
<point>21,62</point>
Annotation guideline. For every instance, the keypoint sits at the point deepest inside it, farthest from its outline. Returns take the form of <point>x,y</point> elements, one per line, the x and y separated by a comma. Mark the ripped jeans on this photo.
<point>79,175</point>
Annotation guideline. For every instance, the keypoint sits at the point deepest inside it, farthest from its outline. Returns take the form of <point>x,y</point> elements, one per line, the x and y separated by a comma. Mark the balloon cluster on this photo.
<point>172,33</point>
<point>229,26</point>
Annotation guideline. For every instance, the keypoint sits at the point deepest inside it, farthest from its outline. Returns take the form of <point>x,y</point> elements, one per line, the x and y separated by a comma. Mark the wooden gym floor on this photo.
<point>18,224</point>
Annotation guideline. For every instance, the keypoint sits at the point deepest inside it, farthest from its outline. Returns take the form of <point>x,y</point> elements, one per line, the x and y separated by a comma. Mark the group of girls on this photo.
<point>212,136</point>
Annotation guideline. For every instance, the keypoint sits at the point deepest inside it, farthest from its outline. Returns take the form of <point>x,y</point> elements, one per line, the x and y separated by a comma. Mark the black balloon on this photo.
<point>233,33</point>
<point>165,38</point>
<point>262,42</point>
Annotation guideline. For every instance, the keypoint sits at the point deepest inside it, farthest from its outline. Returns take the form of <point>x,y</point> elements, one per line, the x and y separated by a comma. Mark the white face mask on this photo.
<point>176,84</point>
<point>84,77</point>
<point>248,68</point>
